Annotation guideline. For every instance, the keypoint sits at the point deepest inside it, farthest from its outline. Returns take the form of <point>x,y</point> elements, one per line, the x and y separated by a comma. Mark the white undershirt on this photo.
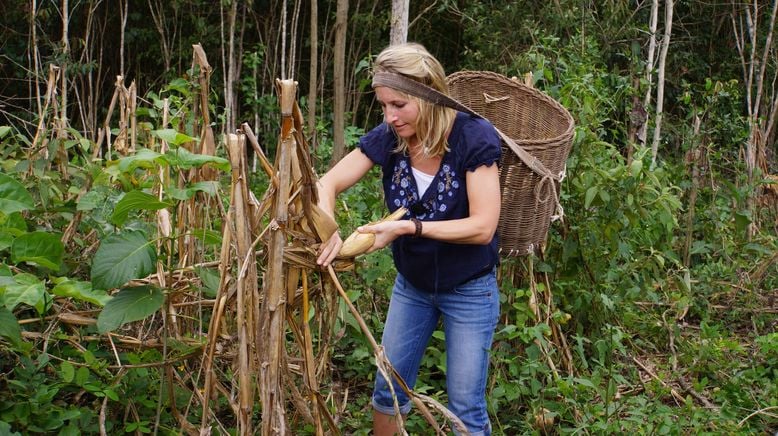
<point>423,180</point>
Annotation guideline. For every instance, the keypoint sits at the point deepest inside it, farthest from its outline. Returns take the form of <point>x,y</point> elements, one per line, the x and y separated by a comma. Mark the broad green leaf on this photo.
<point>172,136</point>
<point>179,85</point>
<point>129,304</point>
<point>13,196</point>
<point>26,289</point>
<point>184,159</point>
<point>143,158</point>
<point>208,237</point>
<point>91,200</point>
<point>135,200</point>
<point>14,224</point>
<point>121,258</point>
<point>5,271</point>
<point>209,187</point>
<point>4,131</point>
<point>210,279</point>
<point>79,290</point>
<point>9,327</point>
<point>635,167</point>
<point>42,248</point>
<point>6,239</point>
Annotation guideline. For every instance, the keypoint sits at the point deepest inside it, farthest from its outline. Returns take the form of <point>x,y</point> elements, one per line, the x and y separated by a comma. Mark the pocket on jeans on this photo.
<point>478,287</point>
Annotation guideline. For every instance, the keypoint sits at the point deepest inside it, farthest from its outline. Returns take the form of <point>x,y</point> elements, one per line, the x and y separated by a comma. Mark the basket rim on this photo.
<point>567,134</point>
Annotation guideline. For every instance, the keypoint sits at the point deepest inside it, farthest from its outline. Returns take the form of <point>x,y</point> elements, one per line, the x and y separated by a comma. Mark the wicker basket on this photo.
<point>539,125</point>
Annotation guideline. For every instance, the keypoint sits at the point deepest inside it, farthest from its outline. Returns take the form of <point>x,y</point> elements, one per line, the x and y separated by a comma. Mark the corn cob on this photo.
<point>358,243</point>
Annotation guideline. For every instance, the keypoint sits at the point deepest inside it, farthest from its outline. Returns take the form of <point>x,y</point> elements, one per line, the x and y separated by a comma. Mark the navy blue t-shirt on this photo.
<point>429,264</point>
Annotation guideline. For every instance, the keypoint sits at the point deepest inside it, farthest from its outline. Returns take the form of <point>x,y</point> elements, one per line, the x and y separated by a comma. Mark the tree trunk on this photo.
<point>754,84</point>
<point>660,81</point>
<point>399,31</point>
<point>339,140</point>
<point>35,60</point>
<point>642,132</point>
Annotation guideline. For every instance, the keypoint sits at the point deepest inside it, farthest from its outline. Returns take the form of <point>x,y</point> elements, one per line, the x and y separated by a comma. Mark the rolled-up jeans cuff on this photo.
<point>404,408</point>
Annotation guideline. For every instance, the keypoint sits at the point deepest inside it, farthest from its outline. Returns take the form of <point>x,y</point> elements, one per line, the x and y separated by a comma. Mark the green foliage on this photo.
<point>41,248</point>
<point>129,304</point>
<point>122,257</point>
<point>13,196</point>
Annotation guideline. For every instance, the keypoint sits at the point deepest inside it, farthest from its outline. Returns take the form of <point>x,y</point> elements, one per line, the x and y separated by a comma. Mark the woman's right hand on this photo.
<point>329,249</point>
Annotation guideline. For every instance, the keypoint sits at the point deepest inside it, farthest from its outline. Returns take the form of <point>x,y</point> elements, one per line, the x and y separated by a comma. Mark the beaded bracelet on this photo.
<point>416,223</point>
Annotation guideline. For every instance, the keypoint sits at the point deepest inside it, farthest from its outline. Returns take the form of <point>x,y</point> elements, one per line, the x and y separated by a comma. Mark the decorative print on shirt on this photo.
<point>439,197</point>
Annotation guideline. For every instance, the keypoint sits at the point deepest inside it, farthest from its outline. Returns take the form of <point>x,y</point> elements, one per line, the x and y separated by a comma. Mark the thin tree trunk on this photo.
<point>339,103</point>
<point>754,84</point>
<point>63,117</point>
<point>157,10</point>
<point>35,56</point>
<point>64,67</point>
<point>399,26</point>
<point>642,132</point>
<point>314,73</point>
<point>660,81</point>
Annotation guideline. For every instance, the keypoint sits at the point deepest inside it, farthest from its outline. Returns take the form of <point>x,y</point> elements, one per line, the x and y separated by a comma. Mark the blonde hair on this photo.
<point>434,121</point>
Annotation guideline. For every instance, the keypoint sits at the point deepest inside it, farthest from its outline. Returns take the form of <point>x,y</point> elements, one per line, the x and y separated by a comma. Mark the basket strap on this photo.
<point>418,89</point>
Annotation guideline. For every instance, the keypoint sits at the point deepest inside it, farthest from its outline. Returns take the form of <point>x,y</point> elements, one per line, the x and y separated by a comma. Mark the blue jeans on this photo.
<point>470,313</point>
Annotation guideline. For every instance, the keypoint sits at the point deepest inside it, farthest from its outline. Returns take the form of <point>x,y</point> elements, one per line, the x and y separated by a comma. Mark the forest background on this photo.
<point>651,310</point>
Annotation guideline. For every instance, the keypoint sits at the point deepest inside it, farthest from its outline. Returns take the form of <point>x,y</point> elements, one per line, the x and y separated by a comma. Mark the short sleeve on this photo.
<point>483,144</point>
<point>378,143</point>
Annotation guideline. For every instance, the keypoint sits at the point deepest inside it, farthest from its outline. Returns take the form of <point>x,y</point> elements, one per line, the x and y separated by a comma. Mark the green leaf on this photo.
<point>209,187</point>
<point>135,200</point>
<point>4,131</point>
<point>67,371</point>
<point>590,193</point>
<point>26,289</point>
<point>82,375</point>
<point>171,136</point>
<point>121,258</point>
<point>110,393</point>
<point>42,248</point>
<point>79,290</point>
<point>208,237</point>
<point>210,278</point>
<point>9,328</point>
<point>635,167</point>
<point>91,200</point>
<point>13,196</point>
<point>143,158</point>
<point>184,159</point>
<point>6,239</point>
<point>130,304</point>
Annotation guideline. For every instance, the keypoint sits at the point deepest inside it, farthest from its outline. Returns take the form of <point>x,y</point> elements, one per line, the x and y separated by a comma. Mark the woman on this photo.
<point>441,165</point>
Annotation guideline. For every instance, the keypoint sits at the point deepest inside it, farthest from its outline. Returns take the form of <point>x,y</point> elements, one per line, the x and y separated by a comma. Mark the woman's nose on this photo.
<point>390,116</point>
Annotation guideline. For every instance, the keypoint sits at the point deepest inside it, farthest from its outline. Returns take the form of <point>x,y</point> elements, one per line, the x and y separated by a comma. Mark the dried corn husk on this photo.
<point>357,243</point>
